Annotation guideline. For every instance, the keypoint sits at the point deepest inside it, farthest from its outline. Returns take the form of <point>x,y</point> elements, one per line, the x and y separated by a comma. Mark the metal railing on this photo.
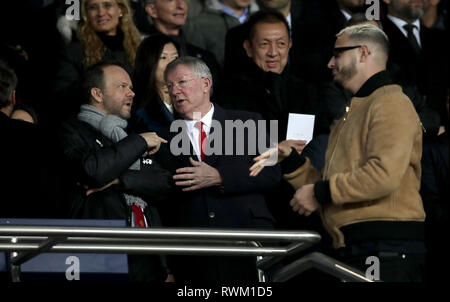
<point>27,241</point>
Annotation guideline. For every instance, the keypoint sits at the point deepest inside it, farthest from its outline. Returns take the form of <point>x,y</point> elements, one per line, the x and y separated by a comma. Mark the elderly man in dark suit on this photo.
<point>215,189</point>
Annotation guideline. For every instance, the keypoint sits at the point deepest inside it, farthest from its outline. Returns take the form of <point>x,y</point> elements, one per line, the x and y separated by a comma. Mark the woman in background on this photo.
<point>106,32</point>
<point>153,109</point>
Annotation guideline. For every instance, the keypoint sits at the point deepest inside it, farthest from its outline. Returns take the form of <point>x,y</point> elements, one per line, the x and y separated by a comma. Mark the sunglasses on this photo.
<point>338,50</point>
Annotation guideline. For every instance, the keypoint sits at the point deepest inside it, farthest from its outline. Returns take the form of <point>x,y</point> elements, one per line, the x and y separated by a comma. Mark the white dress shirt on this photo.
<point>400,23</point>
<point>194,132</point>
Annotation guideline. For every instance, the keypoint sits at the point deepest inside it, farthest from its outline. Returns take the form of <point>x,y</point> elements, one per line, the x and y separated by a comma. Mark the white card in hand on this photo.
<point>300,127</point>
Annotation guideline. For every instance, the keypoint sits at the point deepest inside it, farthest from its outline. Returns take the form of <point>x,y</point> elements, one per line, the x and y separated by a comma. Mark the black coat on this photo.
<point>30,180</point>
<point>94,160</point>
<point>238,204</point>
<point>428,71</point>
<point>272,95</point>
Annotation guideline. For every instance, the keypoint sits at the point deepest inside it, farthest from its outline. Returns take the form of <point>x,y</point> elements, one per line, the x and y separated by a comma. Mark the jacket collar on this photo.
<point>113,42</point>
<point>218,115</point>
<point>254,71</point>
<point>373,83</point>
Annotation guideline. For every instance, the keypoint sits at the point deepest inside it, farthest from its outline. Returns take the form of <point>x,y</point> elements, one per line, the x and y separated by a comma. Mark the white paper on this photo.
<point>300,127</point>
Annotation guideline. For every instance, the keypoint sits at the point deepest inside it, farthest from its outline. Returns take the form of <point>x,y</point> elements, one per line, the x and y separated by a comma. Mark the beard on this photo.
<point>345,73</point>
<point>408,11</point>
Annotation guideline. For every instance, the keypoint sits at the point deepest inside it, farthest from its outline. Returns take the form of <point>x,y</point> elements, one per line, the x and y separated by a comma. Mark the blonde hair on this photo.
<point>367,33</point>
<point>93,47</point>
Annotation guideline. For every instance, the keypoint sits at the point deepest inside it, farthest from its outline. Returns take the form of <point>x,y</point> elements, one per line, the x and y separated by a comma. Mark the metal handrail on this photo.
<point>34,239</point>
<point>27,241</point>
<point>153,233</point>
<point>325,264</point>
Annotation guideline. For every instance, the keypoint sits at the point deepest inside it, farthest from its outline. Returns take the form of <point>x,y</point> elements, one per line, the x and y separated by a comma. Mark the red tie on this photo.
<point>138,216</point>
<point>202,140</point>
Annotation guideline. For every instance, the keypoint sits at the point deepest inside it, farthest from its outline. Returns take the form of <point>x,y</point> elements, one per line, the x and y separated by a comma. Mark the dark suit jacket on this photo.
<point>239,203</point>
<point>429,71</point>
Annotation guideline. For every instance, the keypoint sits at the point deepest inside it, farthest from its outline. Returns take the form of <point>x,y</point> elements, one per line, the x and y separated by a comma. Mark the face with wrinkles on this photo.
<point>170,13</point>
<point>188,92</point>
<point>269,46</point>
<point>408,10</point>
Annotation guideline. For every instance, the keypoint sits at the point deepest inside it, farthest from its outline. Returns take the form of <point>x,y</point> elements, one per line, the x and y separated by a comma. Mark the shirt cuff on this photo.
<point>292,162</point>
<point>322,192</point>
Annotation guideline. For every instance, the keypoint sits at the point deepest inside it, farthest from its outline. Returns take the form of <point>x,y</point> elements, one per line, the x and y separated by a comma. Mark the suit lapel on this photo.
<point>400,43</point>
<point>183,158</point>
<point>220,117</point>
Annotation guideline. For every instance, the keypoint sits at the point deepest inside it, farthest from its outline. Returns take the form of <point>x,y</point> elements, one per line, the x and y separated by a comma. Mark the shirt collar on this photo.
<point>373,83</point>
<point>289,20</point>
<point>206,120</point>
<point>400,23</point>
<point>346,15</point>
<point>230,12</point>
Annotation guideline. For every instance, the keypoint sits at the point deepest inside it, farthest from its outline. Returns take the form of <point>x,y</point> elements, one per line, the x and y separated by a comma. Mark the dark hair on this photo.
<point>144,75</point>
<point>28,109</point>
<point>8,82</point>
<point>265,16</point>
<point>94,77</point>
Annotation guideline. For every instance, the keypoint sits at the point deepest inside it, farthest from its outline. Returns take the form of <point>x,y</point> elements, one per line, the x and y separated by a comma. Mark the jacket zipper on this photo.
<point>341,125</point>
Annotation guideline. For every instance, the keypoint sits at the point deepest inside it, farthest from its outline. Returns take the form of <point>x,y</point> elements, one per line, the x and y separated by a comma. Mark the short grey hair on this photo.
<point>367,33</point>
<point>195,65</point>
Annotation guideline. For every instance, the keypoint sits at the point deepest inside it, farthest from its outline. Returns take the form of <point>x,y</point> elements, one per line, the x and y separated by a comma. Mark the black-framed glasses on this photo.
<point>338,50</point>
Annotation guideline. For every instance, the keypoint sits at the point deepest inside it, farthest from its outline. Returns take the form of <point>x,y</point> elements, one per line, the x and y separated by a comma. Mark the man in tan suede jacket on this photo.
<point>368,192</point>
